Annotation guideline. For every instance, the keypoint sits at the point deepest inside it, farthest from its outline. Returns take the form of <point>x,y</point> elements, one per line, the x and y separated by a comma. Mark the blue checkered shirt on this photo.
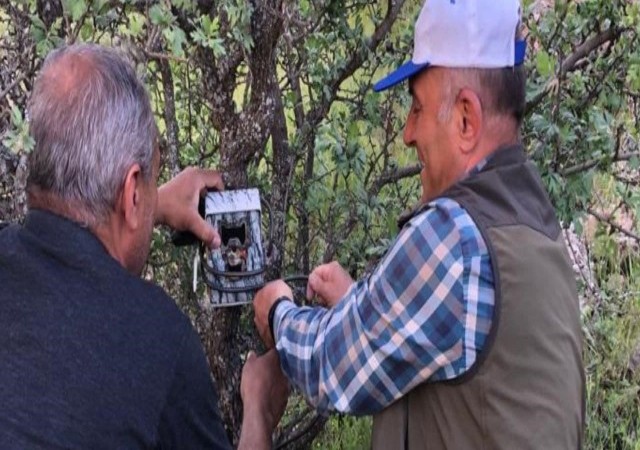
<point>423,315</point>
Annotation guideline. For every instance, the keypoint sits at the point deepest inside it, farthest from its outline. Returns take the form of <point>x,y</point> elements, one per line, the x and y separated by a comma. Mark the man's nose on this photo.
<point>407,134</point>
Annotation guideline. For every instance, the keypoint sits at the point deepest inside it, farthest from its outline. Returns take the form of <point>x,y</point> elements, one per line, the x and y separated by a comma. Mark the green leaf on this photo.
<point>74,8</point>
<point>199,37</point>
<point>210,26</point>
<point>160,16</point>
<point>353,132</point>
<point>186,5</point>
<point>217,45</point>
<point>176,37</point>
<point>136,24</point>
<point>18,138</point>
<point>16,116</point>
<point>38,29</point>
<point>98,5</point>
<point>544,63</point>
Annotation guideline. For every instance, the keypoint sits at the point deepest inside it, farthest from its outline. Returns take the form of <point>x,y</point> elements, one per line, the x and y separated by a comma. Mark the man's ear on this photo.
<point>468,119</point>
<point>131,197</point>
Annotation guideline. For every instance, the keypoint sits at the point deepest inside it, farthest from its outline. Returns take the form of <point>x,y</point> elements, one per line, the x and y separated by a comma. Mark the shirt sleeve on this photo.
<point>423,314</point>
<point>190,418</point>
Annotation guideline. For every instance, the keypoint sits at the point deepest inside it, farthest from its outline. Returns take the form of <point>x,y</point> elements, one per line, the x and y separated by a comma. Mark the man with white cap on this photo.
<point>467,334</point>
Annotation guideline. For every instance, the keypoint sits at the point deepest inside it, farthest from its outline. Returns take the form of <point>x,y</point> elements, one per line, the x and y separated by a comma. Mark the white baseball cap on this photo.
<point>463,33</point>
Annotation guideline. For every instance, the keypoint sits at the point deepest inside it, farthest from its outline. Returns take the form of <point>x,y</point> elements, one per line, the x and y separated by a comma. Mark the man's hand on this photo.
<point>329,282</point>
<point>265,391</point>
<point>178,203</point>
<point>262,302</point>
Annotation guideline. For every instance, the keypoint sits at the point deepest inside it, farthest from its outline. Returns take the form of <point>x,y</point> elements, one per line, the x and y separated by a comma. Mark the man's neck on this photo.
<point>39,199</point>
<point>503,133</point>
<point>106,230</point>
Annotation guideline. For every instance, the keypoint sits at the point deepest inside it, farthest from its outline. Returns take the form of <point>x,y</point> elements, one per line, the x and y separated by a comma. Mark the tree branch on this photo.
<point>316,422</point>
<point>165,57</point>
<point>395,176</point>
<point>612,224</point>
<point>569,63</point>
<point>627,181</point>
<point>12,85</point>
<point>583,50</point>
<point>170,118</point>
<point>594,162</point>
<point>357,58</point>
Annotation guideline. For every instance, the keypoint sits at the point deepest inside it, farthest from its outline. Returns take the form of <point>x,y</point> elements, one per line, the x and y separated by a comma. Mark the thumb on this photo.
<point>317,284</point>
<point>206,233</point>
<point>311,283</point>
<point>251,355</point>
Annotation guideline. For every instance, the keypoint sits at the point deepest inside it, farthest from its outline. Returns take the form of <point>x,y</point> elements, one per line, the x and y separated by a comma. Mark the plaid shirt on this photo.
<point>423,315</point>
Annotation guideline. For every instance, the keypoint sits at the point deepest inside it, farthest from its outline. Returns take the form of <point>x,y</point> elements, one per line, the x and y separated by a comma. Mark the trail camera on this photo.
<point>234,271</point>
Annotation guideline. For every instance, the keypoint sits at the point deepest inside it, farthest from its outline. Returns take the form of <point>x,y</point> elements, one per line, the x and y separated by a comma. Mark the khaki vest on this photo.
<point>526,390</point>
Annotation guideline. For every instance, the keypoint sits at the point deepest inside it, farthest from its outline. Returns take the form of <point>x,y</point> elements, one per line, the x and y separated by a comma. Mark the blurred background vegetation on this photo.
<point>277,94</point>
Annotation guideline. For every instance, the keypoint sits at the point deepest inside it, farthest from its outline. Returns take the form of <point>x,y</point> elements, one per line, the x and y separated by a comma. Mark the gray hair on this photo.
<point>502,92</point>
<point>88,136</point>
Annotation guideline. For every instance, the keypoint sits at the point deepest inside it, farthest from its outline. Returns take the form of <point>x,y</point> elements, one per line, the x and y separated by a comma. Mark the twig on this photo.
<point>397,175</point>
<point>613,225</point>
<point>79,24</point>
<point>322,106</point>
<point>170,117</point>
<point>13,84</point>
<point>594,162</point>
<point>165,57</point>
<point>627,181</point>
<point>587,278</point>
<point>588,46</point>
<point>314,422</point>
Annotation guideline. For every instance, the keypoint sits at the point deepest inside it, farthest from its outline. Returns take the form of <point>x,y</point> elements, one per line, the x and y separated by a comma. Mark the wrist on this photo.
<point>256,430</point>
<point>272,314</point>
<point>259,416</point>
<point>159,217</point>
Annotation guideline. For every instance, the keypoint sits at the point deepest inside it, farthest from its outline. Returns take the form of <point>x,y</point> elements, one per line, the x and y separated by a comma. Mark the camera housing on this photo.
<point>234,271</point>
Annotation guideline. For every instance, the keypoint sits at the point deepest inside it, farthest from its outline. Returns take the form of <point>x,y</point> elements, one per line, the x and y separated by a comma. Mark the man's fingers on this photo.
<point>311,281</point>
<point>317,288</point>
<point>211,179</point>
<point>205,232</point>
<point>317,285</point>
<point>317,279</point>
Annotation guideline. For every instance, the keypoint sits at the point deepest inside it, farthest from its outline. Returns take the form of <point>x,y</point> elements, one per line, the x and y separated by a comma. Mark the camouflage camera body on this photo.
<point>235,270</point>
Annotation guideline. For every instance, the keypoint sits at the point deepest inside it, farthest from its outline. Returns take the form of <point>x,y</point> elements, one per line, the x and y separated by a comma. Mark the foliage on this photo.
<point>612,346</point>
<point>277,94</point>
<point>346,433</point>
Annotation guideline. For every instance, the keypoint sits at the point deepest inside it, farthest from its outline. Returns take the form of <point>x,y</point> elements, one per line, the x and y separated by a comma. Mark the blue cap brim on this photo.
<point>521,51</point>
<point>407,70</point>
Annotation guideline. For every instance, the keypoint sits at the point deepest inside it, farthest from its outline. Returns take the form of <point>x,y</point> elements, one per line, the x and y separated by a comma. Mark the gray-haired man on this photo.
<point>93,356</point>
